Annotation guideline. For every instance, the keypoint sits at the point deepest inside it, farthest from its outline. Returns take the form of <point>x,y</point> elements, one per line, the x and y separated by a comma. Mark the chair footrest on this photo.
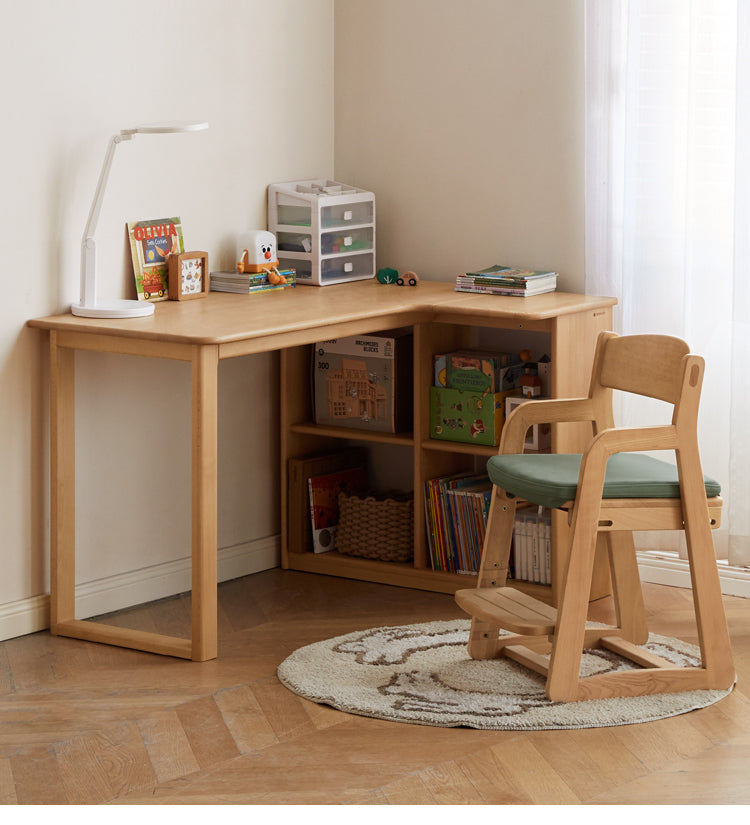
<point>509,609</point>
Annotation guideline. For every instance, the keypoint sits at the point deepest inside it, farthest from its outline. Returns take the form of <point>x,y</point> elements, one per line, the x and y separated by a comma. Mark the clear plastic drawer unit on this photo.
<point>324,229</point>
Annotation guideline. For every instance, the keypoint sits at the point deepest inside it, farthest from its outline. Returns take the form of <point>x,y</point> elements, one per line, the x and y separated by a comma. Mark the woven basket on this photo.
<point>376,528</point>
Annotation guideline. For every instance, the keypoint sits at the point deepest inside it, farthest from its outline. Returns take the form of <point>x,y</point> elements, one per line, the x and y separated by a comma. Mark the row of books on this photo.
<point>456,509</point>
<point>250,282</point>
<point>506,280</point>
<point>456,512</point>
<point>531,546</point>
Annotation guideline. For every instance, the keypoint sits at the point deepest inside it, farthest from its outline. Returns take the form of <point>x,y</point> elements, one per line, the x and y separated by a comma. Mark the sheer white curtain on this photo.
<point>668,206</point>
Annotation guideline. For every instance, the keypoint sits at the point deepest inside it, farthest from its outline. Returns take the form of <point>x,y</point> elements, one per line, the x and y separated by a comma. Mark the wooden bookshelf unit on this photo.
<point>568,326</point>
<point>225,325</point>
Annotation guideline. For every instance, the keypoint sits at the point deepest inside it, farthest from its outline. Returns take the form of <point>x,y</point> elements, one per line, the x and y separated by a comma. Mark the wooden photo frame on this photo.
<point>188,275</point>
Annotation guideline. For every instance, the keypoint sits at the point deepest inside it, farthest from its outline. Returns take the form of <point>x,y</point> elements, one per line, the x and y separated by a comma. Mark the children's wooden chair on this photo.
<point>611,490</point>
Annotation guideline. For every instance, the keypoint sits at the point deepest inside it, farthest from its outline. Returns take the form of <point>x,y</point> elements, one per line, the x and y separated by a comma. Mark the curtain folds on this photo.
<point>668,208</point>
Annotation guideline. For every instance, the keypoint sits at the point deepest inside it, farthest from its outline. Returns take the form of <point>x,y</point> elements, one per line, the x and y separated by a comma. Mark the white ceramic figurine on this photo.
<point>256,251</point>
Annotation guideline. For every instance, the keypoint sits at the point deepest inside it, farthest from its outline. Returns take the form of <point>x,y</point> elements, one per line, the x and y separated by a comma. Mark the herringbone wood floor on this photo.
<point>83,723</point>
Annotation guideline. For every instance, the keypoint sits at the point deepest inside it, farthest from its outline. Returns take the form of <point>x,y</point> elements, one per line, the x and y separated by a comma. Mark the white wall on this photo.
<point>467,121</point>
<point>74,72</point>
<point>465,118</point>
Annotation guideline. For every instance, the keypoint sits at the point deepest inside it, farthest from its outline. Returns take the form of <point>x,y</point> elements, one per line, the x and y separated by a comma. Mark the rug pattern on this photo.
<point>421,674</point>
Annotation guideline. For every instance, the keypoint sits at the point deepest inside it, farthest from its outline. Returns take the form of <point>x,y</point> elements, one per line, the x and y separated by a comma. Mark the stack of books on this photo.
<point>505,280</point>
<point>249,282</point>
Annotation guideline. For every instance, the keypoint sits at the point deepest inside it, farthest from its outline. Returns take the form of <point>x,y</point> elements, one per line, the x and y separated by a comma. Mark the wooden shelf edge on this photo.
<point>399,574</point>
<point>458,447</point>
<point>353,434</point>
<point>469,449</point>
<point>380,572</point>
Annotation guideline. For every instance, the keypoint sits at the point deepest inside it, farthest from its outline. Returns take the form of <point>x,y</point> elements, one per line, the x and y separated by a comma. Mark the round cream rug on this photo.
<point>422,674</point>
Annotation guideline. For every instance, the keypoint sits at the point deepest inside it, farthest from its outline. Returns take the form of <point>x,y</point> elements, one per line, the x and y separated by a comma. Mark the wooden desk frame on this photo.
<point>204,361</point>
<point>227,326</point>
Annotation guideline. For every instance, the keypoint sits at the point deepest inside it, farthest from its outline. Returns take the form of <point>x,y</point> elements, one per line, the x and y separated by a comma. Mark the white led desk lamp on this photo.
<point>89,306</point>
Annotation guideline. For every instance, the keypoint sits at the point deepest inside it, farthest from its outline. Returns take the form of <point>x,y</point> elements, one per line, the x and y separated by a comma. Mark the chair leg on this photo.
<point>713,633</point>
<point>493,571</point>
<point>483,638</point>
<point>567,644</point>
<point>626,587</point>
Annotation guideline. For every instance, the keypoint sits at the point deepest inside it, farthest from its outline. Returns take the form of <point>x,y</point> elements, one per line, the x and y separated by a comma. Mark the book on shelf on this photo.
<point>532,534</point>
<point>248,283</point>
<point>456,509</point>
<point>505,280</point>
<point>324,503</point>
<point>151,242</point>
<point>299,471</point>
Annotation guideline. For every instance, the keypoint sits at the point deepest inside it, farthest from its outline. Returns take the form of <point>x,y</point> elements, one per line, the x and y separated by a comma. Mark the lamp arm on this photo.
<point>88,244</point>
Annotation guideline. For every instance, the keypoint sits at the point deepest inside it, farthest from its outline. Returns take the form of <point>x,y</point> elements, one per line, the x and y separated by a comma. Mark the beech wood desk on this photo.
<point>222,325</point>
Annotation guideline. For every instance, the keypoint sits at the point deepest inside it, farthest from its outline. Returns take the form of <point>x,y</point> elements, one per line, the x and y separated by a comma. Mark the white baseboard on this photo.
<point>138,587</point>
<point>666,569</point>
<point>24,616</point>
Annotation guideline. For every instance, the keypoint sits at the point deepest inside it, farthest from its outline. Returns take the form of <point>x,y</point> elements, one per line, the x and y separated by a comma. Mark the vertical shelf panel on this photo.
<point>429,339</point>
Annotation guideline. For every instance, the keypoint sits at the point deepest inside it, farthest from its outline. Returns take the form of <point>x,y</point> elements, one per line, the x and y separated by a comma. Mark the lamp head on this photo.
<point>166,127</point>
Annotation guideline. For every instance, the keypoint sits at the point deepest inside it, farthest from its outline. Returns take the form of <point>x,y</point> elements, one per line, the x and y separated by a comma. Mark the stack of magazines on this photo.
<point>248,283</point>
<point>505,280</point>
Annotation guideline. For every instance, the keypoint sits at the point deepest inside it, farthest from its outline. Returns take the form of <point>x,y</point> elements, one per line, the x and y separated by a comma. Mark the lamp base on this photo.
<point>114,309</point>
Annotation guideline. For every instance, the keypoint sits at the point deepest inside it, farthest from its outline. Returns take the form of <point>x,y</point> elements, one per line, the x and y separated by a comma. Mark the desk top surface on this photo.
<point>224,317</point>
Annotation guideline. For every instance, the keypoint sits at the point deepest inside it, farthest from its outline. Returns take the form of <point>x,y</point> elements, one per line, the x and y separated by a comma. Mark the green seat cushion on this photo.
<point>551,480</point>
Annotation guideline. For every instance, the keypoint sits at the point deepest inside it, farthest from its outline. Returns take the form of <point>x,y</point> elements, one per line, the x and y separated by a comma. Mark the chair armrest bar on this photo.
<point>633,440</point>
<point>607,443</point>
<point>543,411</point>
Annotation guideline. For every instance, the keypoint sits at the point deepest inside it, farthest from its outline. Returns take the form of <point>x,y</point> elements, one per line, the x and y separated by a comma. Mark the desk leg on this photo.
<point>62,484</point>
<point>205,365</point>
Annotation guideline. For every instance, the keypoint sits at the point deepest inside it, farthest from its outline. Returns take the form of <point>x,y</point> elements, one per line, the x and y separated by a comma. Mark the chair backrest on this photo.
<point>650,365</point>
<point>655,366</point>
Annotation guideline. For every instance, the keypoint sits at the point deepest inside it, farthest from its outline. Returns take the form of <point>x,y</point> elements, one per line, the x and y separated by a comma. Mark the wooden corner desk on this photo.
<point>222,325</point>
